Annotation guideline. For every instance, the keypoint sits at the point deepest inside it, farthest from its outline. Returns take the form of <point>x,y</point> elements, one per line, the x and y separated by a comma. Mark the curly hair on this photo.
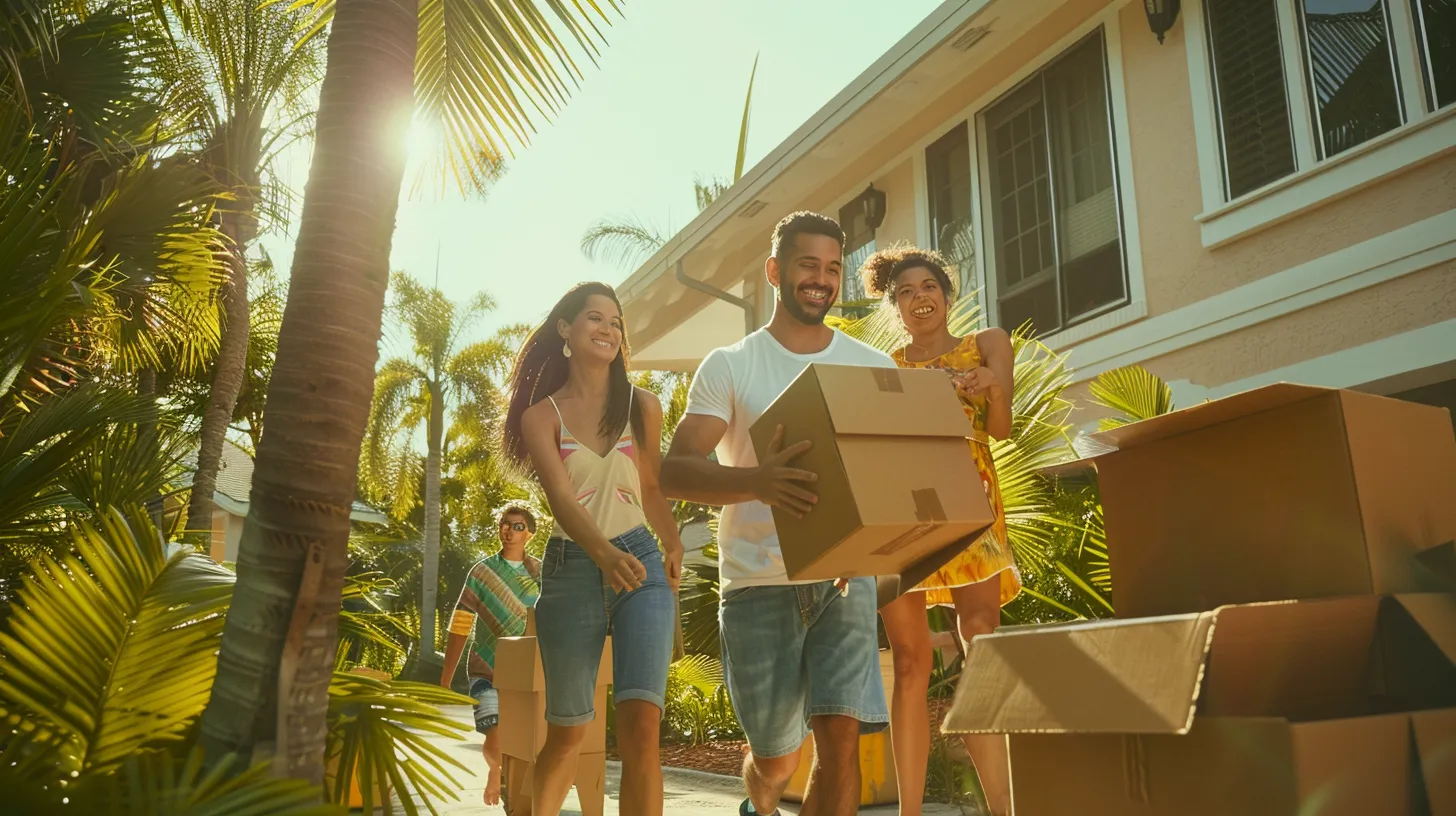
<point>881,269</point>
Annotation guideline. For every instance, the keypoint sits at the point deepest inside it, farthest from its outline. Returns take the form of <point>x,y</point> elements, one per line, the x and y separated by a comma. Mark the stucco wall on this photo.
<point>1178,270</point>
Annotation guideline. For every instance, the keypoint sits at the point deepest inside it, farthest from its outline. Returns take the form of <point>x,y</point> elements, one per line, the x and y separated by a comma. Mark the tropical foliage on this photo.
<point>697,708</point>
<point>441,378</point>
<point>110,656</point>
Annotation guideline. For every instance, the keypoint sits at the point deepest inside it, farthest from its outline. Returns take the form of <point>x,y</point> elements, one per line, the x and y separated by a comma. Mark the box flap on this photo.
<point>1208,413</point>
<point>1137,676</point>
<point>1435,738</point>
<point>1436,614</point>
<point>1441,560</point>
<point>891,401</point>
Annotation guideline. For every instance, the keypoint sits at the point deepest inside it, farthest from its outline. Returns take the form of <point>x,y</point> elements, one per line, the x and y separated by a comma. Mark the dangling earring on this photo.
<point>566,349</point>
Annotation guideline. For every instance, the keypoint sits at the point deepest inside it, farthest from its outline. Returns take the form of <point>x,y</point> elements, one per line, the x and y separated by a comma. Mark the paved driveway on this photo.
<point>687,793</point>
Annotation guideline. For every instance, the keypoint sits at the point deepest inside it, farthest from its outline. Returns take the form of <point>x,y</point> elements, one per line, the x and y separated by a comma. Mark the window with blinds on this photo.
<point>1253,107</point>
<point>1056,227</point>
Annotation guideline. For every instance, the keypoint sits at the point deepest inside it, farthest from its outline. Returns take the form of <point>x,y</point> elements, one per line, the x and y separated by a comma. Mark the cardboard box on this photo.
<point>1388,765</point>
<point>1275,708</point>
<point>899,494</point>
<point>1282,492</point>
<point>521,684</point>
<point>590,784</point>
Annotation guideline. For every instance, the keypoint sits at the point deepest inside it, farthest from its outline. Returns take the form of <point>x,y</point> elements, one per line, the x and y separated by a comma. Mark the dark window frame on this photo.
<point>988,208</point>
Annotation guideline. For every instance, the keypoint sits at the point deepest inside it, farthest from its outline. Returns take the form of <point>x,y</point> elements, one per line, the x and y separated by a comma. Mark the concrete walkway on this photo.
<point>686,793</point>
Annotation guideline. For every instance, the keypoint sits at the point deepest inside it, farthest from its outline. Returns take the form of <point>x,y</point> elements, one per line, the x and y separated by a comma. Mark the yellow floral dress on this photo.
<point>990,555</point>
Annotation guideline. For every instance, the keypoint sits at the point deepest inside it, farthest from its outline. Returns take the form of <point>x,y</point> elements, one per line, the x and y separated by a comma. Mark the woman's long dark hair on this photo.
<point>541,370</point>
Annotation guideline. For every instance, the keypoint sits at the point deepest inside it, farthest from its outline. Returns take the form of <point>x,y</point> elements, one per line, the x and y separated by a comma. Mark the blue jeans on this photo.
<point>576,611</point>
<point>793,652</point>
<point>487,704</point>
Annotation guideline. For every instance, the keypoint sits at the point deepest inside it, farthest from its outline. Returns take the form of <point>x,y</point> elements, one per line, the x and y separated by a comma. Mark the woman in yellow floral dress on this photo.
<point>983,577</point>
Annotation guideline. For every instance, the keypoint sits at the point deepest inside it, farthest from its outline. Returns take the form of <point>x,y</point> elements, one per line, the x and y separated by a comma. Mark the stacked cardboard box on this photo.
<point>1286,639</point>
<point>521,683</point>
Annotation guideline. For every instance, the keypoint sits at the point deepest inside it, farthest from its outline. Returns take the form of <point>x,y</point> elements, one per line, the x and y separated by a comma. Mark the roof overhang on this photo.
<point>915,86</point>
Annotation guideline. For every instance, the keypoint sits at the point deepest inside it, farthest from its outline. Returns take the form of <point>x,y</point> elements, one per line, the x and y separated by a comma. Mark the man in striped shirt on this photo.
<point>493,605</point>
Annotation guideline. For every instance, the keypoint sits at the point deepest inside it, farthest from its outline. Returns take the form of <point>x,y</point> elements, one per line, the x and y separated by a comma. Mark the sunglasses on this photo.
<point>513,525</point>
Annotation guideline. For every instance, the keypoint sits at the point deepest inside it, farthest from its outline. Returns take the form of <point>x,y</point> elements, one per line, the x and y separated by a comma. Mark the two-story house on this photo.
<point>1264,191</point>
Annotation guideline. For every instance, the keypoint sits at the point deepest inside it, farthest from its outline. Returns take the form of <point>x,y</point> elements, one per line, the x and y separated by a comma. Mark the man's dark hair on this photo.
<point>799,223</point>
<point>525,514</point>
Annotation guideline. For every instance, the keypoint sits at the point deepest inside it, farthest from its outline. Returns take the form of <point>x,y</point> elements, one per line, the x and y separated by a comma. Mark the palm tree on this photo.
<point>440,375</point>
<point>246,70</point>
<point>629,241</point>
<point>482,70</point>
<point>110,654</point>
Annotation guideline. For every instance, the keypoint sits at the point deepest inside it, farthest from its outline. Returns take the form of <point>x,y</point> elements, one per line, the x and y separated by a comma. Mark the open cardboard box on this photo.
<point>521,684</point>
<point>1335,706</point>
<point>899,494</point>
<point>1286,491</point>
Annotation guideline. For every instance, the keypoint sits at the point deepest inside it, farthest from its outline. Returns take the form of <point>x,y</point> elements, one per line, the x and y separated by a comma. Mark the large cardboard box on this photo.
<point>899,494</point>
<point>1286,491</point>
<point>1276,708</point>
<point>521,684</point>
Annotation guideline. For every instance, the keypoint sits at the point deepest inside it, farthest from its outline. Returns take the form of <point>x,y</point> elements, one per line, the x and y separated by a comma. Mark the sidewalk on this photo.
<point>686,793</point>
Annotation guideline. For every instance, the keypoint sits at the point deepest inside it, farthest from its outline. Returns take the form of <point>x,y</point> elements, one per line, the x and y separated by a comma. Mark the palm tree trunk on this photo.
<point>431,571</point>
<point>277,653</point>
<point>227,380</point>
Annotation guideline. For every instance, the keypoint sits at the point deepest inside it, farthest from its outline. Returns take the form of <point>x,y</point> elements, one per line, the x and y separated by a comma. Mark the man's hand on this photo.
<point>623,570</point>
<point>780,486</point>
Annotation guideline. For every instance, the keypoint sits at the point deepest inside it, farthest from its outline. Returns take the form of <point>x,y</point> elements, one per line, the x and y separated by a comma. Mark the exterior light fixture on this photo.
<point>1161,16</point>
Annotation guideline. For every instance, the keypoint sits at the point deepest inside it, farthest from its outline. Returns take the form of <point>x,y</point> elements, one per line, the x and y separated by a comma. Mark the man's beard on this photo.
<point>797,310</point>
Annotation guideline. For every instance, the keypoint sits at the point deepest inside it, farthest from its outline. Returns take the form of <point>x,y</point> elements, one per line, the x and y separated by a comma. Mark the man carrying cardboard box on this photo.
<point>493,603</point>
<point>798,655</point>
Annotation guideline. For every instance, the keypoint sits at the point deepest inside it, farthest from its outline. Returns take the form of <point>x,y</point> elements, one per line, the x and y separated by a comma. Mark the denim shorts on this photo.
<point>794,652</point>
<point>576,611</point>
<point>487,704</point>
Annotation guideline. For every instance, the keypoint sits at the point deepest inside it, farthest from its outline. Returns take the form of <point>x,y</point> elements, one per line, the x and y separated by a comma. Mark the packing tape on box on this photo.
<point>928,511</point>
<point>888,379</point>
<point>927,505</point>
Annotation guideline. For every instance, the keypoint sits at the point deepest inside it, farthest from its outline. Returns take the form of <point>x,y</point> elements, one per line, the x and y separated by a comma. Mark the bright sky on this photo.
<point>663,106</point>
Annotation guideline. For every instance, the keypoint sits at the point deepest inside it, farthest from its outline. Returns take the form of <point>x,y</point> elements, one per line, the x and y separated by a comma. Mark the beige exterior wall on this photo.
<point>1179,270</point>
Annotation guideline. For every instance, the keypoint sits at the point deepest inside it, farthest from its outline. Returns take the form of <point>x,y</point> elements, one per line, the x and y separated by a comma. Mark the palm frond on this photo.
<point>157,784</point>
<point>378,733</point>
<point>486,72</point>
<point>130,666</point>
<point>1133,393</point>
<point>742,152</point>
<point>626,242</point>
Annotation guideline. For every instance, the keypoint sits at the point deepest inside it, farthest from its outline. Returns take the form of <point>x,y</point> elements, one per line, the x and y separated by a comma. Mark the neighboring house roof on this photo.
<point>235,484</point>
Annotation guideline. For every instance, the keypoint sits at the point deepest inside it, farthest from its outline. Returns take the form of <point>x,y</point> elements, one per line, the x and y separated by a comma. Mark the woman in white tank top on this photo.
<point>593,442</point>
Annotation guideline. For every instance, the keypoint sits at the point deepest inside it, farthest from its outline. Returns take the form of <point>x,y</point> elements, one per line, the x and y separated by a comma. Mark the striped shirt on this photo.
<point>493,605</point>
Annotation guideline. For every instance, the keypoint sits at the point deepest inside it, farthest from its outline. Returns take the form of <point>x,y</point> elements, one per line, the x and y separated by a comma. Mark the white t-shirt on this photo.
<point>737,384</point>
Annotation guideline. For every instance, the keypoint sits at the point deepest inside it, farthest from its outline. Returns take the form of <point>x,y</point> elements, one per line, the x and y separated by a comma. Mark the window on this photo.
<point>1436,29</point>
<point>1351,71</point>
<point>948,183</point>
<point>1296,82</point>
<point>1248,79</point>
<point>859,245</point>
<point>1056,230</point>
